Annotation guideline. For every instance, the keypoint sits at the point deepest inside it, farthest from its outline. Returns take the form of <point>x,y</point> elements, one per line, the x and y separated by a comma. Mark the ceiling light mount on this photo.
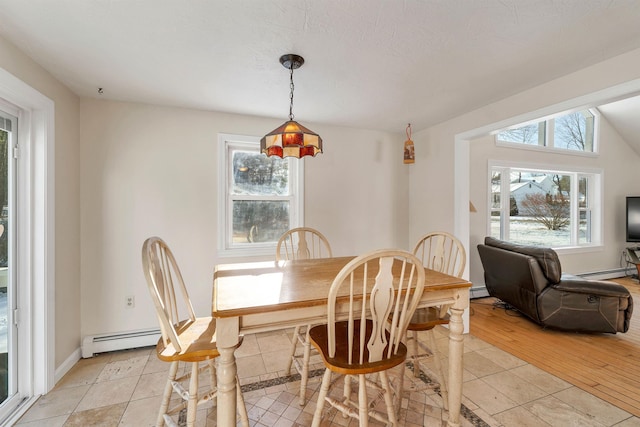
<point>291,139</point>
<point>291,61</point>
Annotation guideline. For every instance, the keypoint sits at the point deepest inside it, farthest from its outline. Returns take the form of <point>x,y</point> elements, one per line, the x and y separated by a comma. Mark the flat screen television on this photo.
<point>633,219</point>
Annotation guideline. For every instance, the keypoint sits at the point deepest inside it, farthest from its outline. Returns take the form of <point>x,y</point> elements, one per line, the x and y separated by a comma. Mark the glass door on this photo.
<point>8,327</point>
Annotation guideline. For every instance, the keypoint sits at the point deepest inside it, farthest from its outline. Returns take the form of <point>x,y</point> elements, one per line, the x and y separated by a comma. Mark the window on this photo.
<point>535,206</point>
<point>260,196</point>
<point>574,132</point>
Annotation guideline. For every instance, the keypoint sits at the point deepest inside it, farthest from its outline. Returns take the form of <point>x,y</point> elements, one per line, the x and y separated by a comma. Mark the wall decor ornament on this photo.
<point>409,151</point>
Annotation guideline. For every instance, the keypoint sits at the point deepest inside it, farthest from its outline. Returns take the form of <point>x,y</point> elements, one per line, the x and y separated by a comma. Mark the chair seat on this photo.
<point>340,363</point>
<point>427,318</point>
<point>200,335</point>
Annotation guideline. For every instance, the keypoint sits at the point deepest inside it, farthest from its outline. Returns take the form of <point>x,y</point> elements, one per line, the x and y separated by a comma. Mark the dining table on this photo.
<point>253,297</point>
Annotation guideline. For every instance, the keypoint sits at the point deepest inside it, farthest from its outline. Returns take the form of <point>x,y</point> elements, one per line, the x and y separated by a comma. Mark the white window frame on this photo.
<point>595,182</point>
<point>548,141</point>
<point>36,234</point>
<point>226,247</point>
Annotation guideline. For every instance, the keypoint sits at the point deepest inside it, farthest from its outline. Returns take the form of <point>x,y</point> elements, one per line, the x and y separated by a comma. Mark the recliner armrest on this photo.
<point>575,284</point>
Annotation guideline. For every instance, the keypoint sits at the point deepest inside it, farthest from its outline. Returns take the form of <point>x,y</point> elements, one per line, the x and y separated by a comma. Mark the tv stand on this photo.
<point>633,254</point>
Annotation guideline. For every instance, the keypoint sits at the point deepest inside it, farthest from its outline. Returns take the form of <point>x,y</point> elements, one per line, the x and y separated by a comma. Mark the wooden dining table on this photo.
<point>256,297</point>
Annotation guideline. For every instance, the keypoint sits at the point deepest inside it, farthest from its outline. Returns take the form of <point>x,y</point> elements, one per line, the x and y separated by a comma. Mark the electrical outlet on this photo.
<point>130,301</point>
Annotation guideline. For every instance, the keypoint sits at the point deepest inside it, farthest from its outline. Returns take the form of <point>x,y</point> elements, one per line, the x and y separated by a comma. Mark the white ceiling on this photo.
<point>376,64</point>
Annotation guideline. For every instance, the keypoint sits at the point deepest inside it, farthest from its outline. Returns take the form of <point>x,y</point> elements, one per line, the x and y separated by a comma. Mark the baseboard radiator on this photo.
<point>93,344</point>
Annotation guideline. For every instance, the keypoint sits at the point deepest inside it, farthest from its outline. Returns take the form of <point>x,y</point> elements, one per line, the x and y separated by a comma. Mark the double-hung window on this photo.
<point>260,197</point>
<point>545,206</point>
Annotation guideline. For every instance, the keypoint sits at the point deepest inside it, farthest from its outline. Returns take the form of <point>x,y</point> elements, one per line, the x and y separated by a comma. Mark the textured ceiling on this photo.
<point>375,64</point>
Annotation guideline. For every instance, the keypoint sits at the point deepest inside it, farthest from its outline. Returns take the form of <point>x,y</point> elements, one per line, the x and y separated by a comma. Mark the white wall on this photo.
<point>435,186</point>
<point>149,170</point>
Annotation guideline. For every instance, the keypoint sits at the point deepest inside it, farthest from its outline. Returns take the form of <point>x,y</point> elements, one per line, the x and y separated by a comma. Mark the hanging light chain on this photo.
<point>291,93</point>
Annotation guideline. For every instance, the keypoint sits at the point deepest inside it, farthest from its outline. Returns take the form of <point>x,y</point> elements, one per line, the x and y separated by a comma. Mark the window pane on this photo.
<point>574,131</point>
<point>253,173</point>
<point>256,221</point>
<point>584,202</point>
<point>529,134</point>
<point>541,215</point>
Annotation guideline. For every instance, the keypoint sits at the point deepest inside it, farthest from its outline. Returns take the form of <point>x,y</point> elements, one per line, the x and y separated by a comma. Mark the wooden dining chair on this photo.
<point>442,252</point>
<point>301,243</point>
<point>369,306</point>
<point>185,337</point>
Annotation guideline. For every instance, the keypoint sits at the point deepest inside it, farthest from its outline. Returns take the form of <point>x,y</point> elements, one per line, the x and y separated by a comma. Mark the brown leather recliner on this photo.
<point>530,279</point>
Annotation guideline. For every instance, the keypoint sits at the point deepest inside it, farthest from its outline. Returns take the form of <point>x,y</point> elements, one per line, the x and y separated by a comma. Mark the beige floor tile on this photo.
<point>540,378</point>
<point>558,414</point>
<point>250,366</point>
<point>513,386</point>
<point>47,422</point>
<point>249,347</point>
<point>143,412</point>
<point>276,342</point>
<point>150,385</point>
<point>480,366</point>
<point>155,365</point>
<point>116,369</point>
<point>487,397</point>
<point>276,361</point>
<point>81,374</point>
<point>629,422</point>
<point>501,358</point>
<point>519,417</point>
<point>106,416</point>
<point>592,406</point>
<point>108,393</point>
<point>56,403</point>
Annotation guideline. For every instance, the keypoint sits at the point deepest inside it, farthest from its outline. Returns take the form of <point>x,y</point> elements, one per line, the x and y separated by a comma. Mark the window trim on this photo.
<point>549,130</point>
<point>296,185</point>
<point>597,224</point>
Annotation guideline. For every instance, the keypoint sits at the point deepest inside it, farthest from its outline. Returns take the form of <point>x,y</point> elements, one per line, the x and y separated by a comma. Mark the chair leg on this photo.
<point>192,405</point>
<point>346,393</point>
<point>166,396</point>
<point>414,358</point>
<point>242,408</point>
<point>213,378</point>
<point>292,350</point>
<point>363,402</point>
<point>324,390</point>
<point>388,398</point>
<point>304,375</point>
<point>400,390</point>
<point>438,365</point>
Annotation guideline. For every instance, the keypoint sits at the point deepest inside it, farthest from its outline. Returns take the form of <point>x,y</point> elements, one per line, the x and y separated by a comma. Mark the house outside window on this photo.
<point>545,207</point>
<point>570,133</point>
<point>260,197</point>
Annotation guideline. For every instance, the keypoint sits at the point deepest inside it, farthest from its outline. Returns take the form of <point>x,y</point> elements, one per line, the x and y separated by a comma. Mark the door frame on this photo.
<point>35,254</point>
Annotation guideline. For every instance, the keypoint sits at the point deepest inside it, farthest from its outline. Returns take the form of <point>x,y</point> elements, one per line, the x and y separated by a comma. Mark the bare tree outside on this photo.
<point>527,134</point>
<point>574,131</point>
<point>551,212</point>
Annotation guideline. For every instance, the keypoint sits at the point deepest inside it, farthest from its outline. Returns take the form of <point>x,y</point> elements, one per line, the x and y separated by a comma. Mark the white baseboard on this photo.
<point>66,366</point>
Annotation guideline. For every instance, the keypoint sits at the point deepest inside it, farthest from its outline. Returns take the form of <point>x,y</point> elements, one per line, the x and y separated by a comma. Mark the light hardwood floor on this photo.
<point>605,365</point>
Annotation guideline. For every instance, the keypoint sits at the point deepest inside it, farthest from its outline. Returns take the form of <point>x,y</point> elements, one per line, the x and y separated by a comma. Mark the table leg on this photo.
<point>227,331</point>
<point>456,348</point>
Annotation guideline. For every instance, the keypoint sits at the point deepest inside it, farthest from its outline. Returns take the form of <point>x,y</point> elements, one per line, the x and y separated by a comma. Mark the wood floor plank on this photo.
<point>605,365</point>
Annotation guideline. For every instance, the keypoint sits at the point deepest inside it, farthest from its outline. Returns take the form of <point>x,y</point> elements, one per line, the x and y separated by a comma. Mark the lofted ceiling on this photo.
<point>375,64</point>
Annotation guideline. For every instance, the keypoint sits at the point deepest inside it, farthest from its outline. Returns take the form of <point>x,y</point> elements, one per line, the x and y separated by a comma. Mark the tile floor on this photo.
<point>124,389</point>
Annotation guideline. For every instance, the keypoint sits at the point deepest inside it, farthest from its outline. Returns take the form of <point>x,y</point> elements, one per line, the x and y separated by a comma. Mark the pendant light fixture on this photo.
<point>291,139</point>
